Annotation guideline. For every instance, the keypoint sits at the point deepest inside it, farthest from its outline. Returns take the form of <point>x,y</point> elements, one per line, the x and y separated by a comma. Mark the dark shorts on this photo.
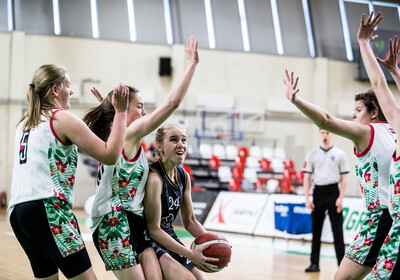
<point>119,243</point>
<point>365,247</point>
<point>161,251</point>
<point>30,224</point>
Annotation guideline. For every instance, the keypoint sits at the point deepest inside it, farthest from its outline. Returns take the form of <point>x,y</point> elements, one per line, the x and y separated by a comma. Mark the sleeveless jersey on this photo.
<point>44,166</point>
<point>172,194</point>
<point>373,165</point>
<point>120,187</point>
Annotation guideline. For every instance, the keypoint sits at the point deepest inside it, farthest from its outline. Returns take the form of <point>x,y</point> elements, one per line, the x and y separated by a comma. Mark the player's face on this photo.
<point>361,114</point>
<point>64,95</point>
<point>136,108</point>
<point>174,145</point>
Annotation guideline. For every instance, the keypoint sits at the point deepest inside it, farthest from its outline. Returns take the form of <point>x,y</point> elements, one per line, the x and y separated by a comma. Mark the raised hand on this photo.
<point>191,50</point>
<point>366,29</point>
<point>120,98</point>
<point>391,61</point>
<point>291,86</point>
<point>97,94</point>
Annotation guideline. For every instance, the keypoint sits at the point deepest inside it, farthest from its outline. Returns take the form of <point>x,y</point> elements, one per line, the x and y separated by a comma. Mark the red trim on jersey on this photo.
<point>394,156</point>
<point>371,141</point>
<point>135,158</point>
<point>54,133</point>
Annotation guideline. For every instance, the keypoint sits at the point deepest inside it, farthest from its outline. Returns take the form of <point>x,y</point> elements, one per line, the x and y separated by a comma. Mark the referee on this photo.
<point>326,166</point>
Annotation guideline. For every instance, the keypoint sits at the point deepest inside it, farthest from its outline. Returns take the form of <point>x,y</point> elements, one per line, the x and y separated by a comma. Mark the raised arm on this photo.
<point>72,129</point>
<point>351,130</point>
<point>377,78</point>
<point>141,127</point>
<point>391,62</point>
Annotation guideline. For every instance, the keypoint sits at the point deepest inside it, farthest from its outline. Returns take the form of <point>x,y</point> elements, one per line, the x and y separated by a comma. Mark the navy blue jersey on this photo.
<point>172,194</point>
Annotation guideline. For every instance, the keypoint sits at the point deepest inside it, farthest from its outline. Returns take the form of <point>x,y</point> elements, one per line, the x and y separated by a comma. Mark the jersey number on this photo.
<point>23,148</point>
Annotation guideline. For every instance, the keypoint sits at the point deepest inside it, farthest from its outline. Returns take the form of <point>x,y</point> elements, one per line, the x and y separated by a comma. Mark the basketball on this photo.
<point>219,248</point>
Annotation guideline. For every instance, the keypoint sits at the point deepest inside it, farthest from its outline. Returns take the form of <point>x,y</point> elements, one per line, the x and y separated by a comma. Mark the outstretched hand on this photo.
<point>366,29</point>
<point>191,50</point>
<point>97,94</point>
<point>391,61</point>
<point>120,98</point>
<point>291,86</point>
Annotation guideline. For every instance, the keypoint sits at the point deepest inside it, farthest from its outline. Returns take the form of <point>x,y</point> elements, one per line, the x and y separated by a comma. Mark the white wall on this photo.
<point>250,79</point>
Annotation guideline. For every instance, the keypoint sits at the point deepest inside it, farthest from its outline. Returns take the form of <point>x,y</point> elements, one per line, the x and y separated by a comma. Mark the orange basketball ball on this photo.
<point>219,248</point>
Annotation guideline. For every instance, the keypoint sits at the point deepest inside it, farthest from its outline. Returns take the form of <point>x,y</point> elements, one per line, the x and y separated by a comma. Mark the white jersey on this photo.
<point>326,166</point>
<point>44,166</point>
<point>120,187</point>
<point>373,166</point>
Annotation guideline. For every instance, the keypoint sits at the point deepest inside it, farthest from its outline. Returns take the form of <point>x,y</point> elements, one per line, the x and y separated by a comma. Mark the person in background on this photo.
<point>168,190</point>
<point>388,265</point>
<point>45,162</point>
<point>374,143</point>
<point>118,228</point>
<point>326,166</point>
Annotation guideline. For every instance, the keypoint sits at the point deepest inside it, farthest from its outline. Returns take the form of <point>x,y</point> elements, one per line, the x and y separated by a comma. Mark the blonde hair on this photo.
<point>40,101</point>
<point>160,135</point>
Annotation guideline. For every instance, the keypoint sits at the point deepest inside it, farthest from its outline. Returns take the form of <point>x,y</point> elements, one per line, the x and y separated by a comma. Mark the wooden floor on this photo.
<point>253,258</point>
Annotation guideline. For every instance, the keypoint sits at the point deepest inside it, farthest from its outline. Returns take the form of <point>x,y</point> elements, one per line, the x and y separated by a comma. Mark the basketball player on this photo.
<point>168,189</point>
<point>43,178</point>
<point>374,142</point>
<point>118,227</point>
<point>388,266</point>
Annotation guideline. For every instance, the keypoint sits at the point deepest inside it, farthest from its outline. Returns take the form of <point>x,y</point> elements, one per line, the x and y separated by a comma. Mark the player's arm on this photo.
<point>70,128</point>
<point>141,127</point>
<point>188,218</point>
<point>358,133</point>
<point>152,210</point>
<point>375,74</point>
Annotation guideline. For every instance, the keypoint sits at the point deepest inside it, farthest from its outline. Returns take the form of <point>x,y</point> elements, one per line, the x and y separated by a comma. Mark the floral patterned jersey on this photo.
<point>394,207</point>
<point>120,186</point>
<point>44,166</point>
<point>373,165</point>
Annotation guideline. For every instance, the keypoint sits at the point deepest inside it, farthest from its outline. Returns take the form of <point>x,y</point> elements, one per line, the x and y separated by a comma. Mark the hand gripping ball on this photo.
<point>219,248</point>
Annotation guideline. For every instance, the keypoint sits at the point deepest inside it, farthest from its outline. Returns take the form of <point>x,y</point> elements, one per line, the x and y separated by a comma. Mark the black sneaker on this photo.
<point>313,268</point>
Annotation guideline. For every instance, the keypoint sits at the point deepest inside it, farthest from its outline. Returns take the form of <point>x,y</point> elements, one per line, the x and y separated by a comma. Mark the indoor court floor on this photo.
<point>253,258</point>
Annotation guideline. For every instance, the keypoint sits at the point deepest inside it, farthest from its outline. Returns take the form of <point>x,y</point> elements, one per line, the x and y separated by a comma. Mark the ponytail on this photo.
<point>99,119</point>
<point>39,96</point>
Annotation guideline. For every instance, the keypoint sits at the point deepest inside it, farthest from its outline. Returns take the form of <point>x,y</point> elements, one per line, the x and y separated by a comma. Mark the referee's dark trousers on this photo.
<point>324,198</point>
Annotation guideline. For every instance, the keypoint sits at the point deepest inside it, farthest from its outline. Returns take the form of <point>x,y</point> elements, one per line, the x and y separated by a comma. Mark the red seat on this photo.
<point>237,173</point>
<point>288,164</point>
<point>265,165</point>
<point>286,182</point>
<point>299,176</point>
<point>243,152</point>
<point>240,162</point>
<point>234,185</point>
<point>188,170</point>
<point>214,162</point>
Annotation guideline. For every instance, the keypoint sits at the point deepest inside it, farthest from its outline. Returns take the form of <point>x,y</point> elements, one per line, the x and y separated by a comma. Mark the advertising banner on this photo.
<point>236,212</point>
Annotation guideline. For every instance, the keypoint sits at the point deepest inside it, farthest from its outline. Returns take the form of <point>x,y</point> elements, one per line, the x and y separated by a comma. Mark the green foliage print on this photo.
<point>63,226</point>
<point>367,175</point>
<point>126,179</point>
<point>63,161</point>
<point>114,234</point>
